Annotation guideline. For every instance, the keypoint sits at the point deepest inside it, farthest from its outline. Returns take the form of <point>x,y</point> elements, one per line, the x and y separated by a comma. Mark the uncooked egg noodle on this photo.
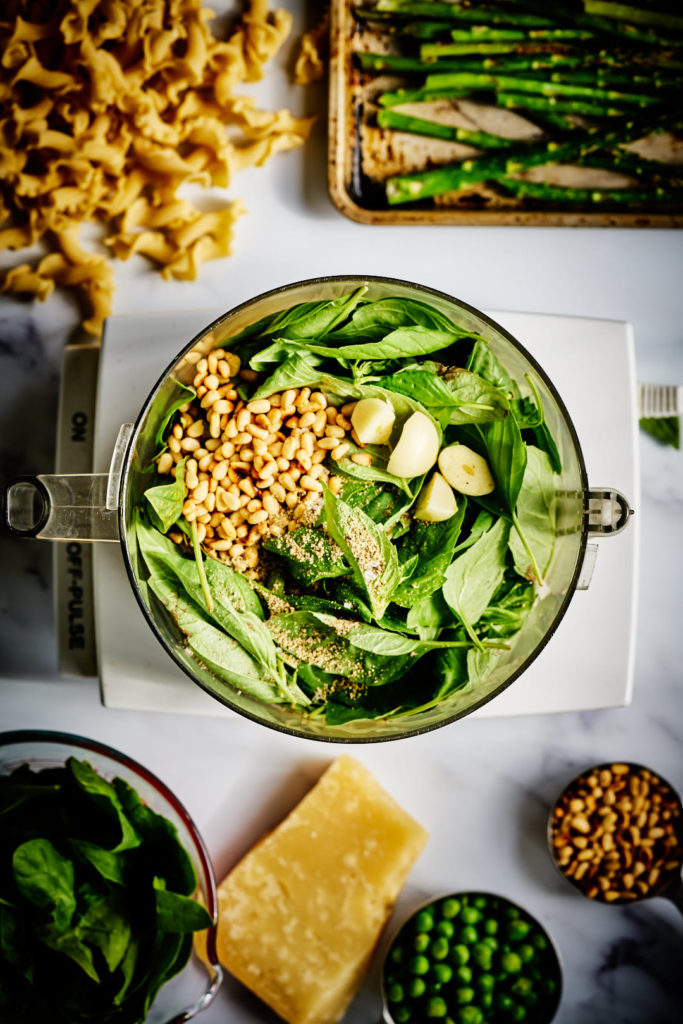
<point>107,107</point>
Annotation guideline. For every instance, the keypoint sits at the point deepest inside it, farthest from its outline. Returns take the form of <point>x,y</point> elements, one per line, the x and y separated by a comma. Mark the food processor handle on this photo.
<point>68,507</point>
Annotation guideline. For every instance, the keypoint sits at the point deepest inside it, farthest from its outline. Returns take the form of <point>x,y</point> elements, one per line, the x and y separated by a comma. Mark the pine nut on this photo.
<point>174,444</point>
<point>243,417</point>
<point>220,470</point>
<point>341,450</point>
<point>347,409</point>
<point>237,550</point>
<point>230,432</point>
<point>308,442</point>
<point>288,481</point>
<point>247,487</point>
<point>334,431</point>
<point>224,368</point>
<point>291,500</point>
<point>307,420</point>
<point>274,418</point>
<point>221,545</point>
<point>329,443</point>
<point>335,484</point>
<point>278,491</point>
<point>189,444</point>
<point>261,405</point>
<point>309,484</point>
<point>320,422</point>
<point>304,459</point>
<point>289,447</point>
<point>177,431</point>
<point>241,439</point>
<point>362,458</point>
<point>257,517</point>
<point>316,470</point>
<point>196,429</point>
<point>283,464</point>
<point>257,431</point>
<point>270,504</point>
<point>165,463</point>
<point>234,363</point>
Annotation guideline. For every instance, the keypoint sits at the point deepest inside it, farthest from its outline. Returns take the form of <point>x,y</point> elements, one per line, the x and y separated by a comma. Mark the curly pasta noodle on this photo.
<point>106,108</point>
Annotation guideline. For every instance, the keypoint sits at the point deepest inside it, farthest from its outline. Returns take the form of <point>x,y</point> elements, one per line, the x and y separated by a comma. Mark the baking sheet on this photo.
<point>360,154</point>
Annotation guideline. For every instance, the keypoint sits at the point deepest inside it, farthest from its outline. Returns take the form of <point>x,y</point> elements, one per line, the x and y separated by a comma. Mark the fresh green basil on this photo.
<point>473,578</point>
<point>166,500</point>
<point>535,517</point>
<point>461,397</point>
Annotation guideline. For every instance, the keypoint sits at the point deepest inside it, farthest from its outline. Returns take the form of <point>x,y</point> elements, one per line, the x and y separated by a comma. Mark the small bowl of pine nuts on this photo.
<point>616,834</point>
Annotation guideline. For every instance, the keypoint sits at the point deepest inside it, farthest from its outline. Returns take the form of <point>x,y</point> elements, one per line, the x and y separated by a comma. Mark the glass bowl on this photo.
<point>570,501</point>
<point>195,987</point>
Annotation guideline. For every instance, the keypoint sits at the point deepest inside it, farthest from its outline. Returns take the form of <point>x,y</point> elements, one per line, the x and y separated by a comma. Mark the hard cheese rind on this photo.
<point>300,915</point>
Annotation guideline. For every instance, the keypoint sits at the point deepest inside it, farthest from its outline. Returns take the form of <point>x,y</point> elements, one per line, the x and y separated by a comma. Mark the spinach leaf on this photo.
<point>46,878</point>
<point>450,670</point>
<point>392,645</point>
<point>312,319</point>
<point>665,429</point>
<point>432,546</point>
<point>481,524</point>
<point>367,549</point>
<point>215,649</point>
<point>70,945</point>
<point>105,926</point>
<point>535,517</point>
<point>457,398</point>
<point>109,865</point>
<point>506,455</point>
<point>176,913</point>
<point>102,793</point>
<point>310,553</point>
<point>373,320</point>
<point>429,615</point>
<point>473,578</point>
<point>509,609</point>
<point>166,500</point>
<point>384,505</point>
<point>300,369</point>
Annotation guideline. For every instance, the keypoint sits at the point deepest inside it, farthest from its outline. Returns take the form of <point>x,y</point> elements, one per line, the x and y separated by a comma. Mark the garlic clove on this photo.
<point>373,420</point>
<point>436,501</point>
<point>417,447</point>
<point>465,470</point>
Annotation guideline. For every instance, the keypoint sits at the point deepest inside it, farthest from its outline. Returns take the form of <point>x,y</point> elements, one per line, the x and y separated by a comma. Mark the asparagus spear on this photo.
<point>550,104</point>
<point>633,15</point>
<point>433,10</point>
<point>484,34</point>
<point>552,194</point>
<point>422,126</point>
<point>411,187</point>
<point>409,65</point>
<point>399,96</point>
<point>474,82</point>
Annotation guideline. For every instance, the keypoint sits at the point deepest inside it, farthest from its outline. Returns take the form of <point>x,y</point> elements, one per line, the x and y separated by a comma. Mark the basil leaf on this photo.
<point>313,319</point>
<point>473,578</point>
<point>310,553</point>
<point>506,456</point>
<point>45,878</point>
<point>403,343</point>
<point>368,551</point>
<point>457,398</point>
<point>377,470</point>
<point>432,545</point>
<point>535,517</point>
<point>392,645</point>
<point>166,500</point>
<point>374,319</point>
<point>483,362</point>
<point>184,395</point>
<point>665,429</point>
<point>509,609</point>
<point>215,649</point>
<point>300,369</point>
<point>429,615</point>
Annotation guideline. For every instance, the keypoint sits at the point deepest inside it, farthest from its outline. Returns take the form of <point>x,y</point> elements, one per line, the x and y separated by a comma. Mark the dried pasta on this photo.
<point>107,107</point>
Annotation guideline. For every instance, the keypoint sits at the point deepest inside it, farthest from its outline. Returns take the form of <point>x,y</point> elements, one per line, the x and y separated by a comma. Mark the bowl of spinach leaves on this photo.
<point>455,610</point>
<point>104,882</point>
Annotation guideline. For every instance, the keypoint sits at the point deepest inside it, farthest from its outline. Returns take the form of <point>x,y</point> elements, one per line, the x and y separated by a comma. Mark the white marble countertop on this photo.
<point>482,787</point>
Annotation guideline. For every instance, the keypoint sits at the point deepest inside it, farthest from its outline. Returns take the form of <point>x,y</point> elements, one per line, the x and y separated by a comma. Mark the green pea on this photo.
<point>470,915</point>
<point>503,1001</point>
<point>522,986</point>
<point>464,974</point>
<point>424,921</point>
<point>395,993</point>
<point>401,1014</point>
<point>486,982</point>
<point>443,972</point>
<point>491,941</point>
<point>439,949</point>
<point>460,954</point>
<point>518,1013</point>
<point>511,963</point>
<point>468,934</point>
<point>436,1007</point>
<point>450,908</point>
<point>417,988</point>
<point>482,955</point>
<point>511,913</point>
<point>446,928</point>
<point>549,987</point>
<point>479,901</point>
<point>539,941</point>
<point>421,942</point>
<point>470,1015</point>
<point>397,954</point>
<point>418,965</point>
<point>491,926</point>
<point>527,952</point>
<point>464,995</point>
<point>486,1000</point>
<point>518,930</point>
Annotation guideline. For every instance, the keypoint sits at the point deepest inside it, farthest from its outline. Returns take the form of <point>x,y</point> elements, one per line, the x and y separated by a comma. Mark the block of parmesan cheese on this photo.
<point>300,915</point>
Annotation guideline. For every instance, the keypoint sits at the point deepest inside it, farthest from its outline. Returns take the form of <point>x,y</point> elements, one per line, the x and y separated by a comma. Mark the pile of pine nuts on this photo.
<point>253,467</point>
<point>616,833</point>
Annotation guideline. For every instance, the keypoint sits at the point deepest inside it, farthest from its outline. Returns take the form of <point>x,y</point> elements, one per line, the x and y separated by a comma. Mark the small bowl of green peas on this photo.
<point>471,958</point>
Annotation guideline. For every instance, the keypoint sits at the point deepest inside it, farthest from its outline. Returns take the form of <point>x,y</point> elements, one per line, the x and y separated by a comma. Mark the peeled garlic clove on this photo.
<point>417,448</point>
<point>466,471</point>
<point>373,420</point>
<point>436,502</point>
